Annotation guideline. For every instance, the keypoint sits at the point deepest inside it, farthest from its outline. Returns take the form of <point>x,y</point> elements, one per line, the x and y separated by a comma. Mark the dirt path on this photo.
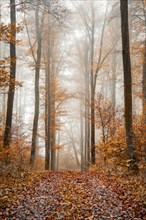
<point>72,196</point>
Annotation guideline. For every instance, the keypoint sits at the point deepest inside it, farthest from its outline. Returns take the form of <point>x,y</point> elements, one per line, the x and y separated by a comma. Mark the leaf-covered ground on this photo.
<point>72,196</point>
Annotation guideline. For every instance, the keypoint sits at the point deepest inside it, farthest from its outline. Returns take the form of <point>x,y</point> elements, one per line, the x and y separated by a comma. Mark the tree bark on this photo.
<point>48,111</point>
<point>48,100</point>
<point>53,129</point>
<point>144,80</point>
<point>113,80</point>
<point>82,138</point>
<point>11,92</point>
<point>127,85</point>
<point>37,74</point>
<point>92,92</point>
<point>87,110</point>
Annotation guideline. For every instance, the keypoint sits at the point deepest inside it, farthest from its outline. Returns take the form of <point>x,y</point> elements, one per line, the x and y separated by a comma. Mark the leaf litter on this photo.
<point>72,196</point>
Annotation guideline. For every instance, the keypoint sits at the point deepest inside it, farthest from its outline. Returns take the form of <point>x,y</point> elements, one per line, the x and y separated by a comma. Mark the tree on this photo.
<point>39,28</point>
<point>10,100</point>
<point>53,60</point>
<point>45,44</point>
<point>83,49</point>
<point>96,61</point>
<point>127,85</point>
<point>48,97</point>
<point>144,74</point>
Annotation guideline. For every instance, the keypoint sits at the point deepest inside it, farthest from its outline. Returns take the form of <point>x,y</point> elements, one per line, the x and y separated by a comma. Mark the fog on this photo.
<point>80,57</point>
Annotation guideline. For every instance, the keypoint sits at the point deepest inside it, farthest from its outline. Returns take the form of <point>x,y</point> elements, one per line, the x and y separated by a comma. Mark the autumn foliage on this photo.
<point>111,148</point>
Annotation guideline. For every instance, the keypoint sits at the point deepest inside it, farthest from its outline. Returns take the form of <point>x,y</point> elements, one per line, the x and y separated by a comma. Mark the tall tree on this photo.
<point>127,85</point>
<point>92,87</point>
<point>48,99</point>
<point>37,74</point>
<point>92,66</point>
<point>87,108</point>
<point>10,100</point>
<point>144,74</point>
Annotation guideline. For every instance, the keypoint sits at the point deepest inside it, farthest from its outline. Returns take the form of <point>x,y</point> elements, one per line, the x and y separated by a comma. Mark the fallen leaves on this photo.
<point>72,195</point>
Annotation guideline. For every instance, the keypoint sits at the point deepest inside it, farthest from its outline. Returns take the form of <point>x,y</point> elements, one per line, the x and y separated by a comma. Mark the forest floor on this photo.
<point>71,195</point>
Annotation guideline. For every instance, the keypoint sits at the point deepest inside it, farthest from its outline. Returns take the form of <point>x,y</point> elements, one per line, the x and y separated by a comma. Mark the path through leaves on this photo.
<point>72,196</point>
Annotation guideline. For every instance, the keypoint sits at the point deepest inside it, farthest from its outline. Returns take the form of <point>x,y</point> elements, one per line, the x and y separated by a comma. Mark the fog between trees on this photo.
<point>75,106</point>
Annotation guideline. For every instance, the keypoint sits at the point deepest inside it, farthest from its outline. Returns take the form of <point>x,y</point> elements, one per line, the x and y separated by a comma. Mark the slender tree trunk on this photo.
<point>87,122</point>
<point>92,94</point>
<point>53,152</point>
<point>88,149</point>
<point>47,127</point>
<point>113,81</point>
<point>53,130</point>
<point>48,111</point>
<point>2,95</point>
<point>10,100</point>
<point>92,128</point>
<point>58,140</point>
<point>144,82</point>
<point>87,109</point>
<point>144,96</point>
<point>82,139</point>
<point>3,110</point>
<point>53,110</point>
<point>144,79</point>
<point>127,85</point>
<point>37,73</point>
<point>48,107</point>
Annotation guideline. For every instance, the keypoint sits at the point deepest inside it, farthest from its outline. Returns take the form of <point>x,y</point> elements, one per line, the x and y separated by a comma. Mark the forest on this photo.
<point>72,109</point>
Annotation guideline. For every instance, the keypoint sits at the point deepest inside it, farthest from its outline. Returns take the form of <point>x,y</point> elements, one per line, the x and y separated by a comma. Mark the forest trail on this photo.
<point>72,196</point>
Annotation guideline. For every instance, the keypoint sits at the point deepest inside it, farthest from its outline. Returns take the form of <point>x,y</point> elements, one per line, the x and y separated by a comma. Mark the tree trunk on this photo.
<point>48,111</point>
<point>92,127</point>
<point>144,80</point>
<point>144,95</point>
<point>87,108</point>
<point>53,129</point>
<point>92,93</point>
<point>58,142</point>
<point>113,80</point>
<point>127,85</point>
<point>82,138</point>
<point>37,73</point>
<point>10,100</point>
<point>144,84</point>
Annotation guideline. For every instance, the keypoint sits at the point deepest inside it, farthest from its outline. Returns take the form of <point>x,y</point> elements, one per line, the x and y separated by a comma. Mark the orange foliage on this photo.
<point>111,147</point>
